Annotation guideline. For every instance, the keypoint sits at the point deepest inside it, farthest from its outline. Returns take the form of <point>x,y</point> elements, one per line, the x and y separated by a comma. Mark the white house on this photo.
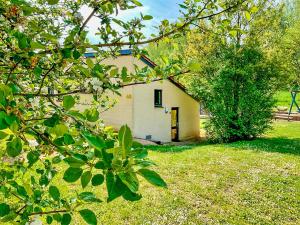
<point>159,111</point>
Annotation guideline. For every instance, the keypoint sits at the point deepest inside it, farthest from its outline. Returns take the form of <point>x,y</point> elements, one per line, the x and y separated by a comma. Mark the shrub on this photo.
<point>238,94</point>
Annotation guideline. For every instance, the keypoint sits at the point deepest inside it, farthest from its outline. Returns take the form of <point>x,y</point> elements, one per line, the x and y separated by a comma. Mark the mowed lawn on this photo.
<point>255,182</point>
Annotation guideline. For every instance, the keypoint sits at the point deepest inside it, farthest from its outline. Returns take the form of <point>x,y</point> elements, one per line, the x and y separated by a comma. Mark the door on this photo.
<point>175,124</point>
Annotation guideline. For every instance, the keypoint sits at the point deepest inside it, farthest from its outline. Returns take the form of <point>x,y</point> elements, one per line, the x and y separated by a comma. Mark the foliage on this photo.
<point>288,48</point>
<point>210,51</point>
<point>43,75</point>
<point>239,96</point>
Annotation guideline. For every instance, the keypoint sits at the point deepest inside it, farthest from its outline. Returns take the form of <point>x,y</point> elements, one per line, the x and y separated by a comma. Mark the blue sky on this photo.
<point>163,9</point>
<point>159,9</point>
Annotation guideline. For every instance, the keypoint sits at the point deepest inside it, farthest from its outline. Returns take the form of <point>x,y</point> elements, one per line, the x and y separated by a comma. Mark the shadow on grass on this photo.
<point>280,145</point>
<point>174,148</point>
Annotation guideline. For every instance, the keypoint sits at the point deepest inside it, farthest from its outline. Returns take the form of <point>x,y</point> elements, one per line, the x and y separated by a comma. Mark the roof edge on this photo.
<point>148,62</point>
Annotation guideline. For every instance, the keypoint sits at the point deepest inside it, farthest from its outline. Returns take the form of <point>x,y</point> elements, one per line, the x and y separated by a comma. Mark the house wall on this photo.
<point>135,107</point>
<point>149,120</point>
<point>122,112</point>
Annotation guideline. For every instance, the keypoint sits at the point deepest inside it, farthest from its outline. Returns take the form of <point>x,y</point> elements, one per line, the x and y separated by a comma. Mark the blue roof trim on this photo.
<point>89,55</point>
<point>125,52</point>
<point>122,52</point>
<point>147,62</point>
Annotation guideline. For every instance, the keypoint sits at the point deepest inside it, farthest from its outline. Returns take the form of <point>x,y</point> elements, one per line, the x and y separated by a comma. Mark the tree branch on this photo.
<point>82,91</point>
<point>174,30</point>
<point>48,140</point>
<point>187,23</point>
<point>49,212</point>
<point>44,77</point>
<point>17,212</point>
<point>12,70</point>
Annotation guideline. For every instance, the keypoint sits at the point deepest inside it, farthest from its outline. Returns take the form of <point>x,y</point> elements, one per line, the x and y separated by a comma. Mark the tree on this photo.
<point>288,48</point>
<point>225,78</point>
<point>239,95</point>
<point>43,71</point>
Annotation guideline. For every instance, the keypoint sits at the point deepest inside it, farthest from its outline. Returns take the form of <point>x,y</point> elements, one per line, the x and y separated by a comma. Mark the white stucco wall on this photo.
<point>122,112</point>
<point>149,120</point>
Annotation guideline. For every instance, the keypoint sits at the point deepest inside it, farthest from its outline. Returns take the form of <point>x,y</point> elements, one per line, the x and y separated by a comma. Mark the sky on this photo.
<point>159,9</point>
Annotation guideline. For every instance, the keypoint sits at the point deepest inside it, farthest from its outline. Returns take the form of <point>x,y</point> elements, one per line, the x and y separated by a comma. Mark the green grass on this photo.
<point>255,182</point>
<point>284,98</point>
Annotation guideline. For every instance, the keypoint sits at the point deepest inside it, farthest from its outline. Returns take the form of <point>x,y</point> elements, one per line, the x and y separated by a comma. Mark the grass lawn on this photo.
<point>254,182</point>
<point>284,99</point>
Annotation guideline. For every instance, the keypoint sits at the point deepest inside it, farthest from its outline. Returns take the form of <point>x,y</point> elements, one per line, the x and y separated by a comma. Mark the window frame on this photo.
<point>158,94</point>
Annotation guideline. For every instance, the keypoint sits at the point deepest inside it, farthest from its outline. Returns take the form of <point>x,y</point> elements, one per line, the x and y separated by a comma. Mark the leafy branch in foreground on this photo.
<point>46,142</point>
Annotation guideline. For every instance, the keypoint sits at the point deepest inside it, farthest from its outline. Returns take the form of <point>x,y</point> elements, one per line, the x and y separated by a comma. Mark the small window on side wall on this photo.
<point>157,98</point>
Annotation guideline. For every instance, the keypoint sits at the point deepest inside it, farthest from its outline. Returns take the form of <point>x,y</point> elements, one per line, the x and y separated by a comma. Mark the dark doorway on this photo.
<point>175,124</point>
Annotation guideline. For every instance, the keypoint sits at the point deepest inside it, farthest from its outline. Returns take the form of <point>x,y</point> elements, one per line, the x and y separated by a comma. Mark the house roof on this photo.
<point>149,63</point>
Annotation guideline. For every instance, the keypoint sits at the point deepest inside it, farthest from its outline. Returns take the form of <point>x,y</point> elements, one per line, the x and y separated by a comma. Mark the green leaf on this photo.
<point>130,180</point>
<point>72,174</point>
<point>130,196</point>
<point>14,147</point>
<point>52,121</point>
<point>57,217</point>
<point>3,135</point>
<point>59,130</point>
<point>66,53</point>
<point>66,219</point>
<point>147,17</point>
<point>100,165</point>
<point>4,209</point>
<point>54,193</point>
<point>36,45</point>
<point>88,197</point>
<point>49,219</point>
<point>68,102</point>
<point>92,115</point>
<point>254,9</point>
<point>74,162</point>
<point>10,217</point>
<point>86,178</point>
<point>23,40</point>
<point>3,123</point>
<point>94,141</point>
<point>137,3</point>
<point>233,33</point>
<point>115,187</point>
<point>152,177</point>
<point>68,139</point>
<point>76,54</point>
<point>97,180</point>
<point>125,140</point>
<point>247,15</point>
<point>33,157</point>
<point>90,63</point>
<point>52,2</point>
<point>88,216</point>
<point>37,71</point>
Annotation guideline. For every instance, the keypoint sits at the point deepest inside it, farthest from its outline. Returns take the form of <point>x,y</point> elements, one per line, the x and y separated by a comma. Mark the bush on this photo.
<point>238,94</point>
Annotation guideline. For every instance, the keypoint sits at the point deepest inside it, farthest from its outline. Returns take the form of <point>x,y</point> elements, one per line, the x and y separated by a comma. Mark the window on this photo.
<point>158,98</point>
